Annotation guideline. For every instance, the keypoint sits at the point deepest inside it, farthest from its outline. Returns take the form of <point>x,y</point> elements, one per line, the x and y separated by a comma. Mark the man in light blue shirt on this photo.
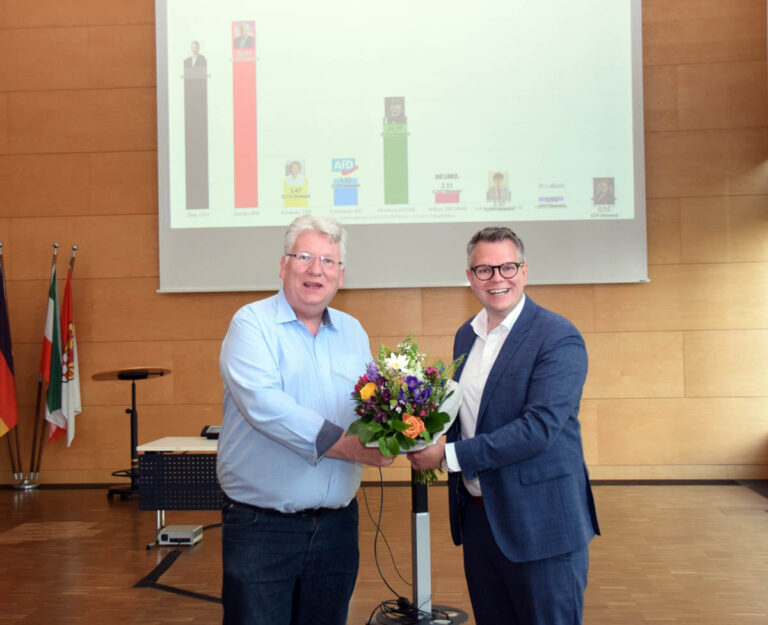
<point>288,470</point>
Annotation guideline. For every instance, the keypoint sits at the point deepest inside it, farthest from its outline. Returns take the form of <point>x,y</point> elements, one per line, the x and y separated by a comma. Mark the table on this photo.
<point>178,473</point>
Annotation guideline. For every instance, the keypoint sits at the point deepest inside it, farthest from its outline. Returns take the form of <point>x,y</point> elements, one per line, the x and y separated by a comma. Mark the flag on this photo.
<point>9,411</point>
<point>63,418</point>
<point>50,360</point>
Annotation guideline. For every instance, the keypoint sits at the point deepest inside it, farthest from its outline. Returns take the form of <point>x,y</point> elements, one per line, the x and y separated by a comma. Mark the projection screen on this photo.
<point>414,123</point>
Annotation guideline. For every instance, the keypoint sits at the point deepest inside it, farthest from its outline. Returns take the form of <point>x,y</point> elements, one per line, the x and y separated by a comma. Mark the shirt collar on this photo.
<point>480,322</point>
<point>286,314</point>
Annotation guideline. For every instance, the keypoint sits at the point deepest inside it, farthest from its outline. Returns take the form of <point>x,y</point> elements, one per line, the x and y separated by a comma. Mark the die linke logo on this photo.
<point>344,166</point>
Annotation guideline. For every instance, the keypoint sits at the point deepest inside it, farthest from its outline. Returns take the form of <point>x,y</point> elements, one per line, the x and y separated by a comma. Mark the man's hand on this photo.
<point>429,457</point>
<point>349,447</point>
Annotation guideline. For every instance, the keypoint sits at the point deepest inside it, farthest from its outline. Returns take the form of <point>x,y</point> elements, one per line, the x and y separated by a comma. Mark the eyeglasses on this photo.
<point>306,259</point>
<point>506,270</point>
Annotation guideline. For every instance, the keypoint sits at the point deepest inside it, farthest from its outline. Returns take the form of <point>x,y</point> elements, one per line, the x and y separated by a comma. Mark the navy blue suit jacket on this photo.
<point>527,448</point>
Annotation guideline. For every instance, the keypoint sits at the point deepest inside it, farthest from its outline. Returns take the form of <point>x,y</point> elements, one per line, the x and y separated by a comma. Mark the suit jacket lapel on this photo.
<point>511,343</point>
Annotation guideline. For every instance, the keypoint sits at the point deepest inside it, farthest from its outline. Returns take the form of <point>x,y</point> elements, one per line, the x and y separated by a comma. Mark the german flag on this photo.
<point>9,412</point>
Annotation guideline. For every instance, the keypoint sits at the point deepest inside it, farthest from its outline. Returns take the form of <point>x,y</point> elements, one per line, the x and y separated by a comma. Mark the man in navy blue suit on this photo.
<point>519,494</point>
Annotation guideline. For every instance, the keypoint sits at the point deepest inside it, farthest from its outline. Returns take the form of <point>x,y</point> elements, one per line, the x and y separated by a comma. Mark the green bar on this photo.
<point>395,164</point>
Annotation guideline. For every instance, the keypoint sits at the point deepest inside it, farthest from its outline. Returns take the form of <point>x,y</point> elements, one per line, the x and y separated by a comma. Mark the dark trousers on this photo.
<point>288,569</point>
<point>541,592</point>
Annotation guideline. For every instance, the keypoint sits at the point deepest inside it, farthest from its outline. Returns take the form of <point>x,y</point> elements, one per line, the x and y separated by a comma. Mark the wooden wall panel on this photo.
<point>677,472</point>
<point>663,231</point>
<point>130,309</point>
<point>677,380</point>
<point>117,120</point>
<point>589,431</point>
<point>446,309</point>
<point>110,247</point>
<point>574,302</point>
<point>695,297</point>
<point>196,369</point>
<point>34,64</point>
<point>722,95</point>
<point>619,365</point>
<point>702,31</point>
<point>683,431</point>
<point>660,97</point>
<point>123,183</point>
<point>706,163</point>
<point>726,364</point>
<point>43,184</point>
<point>5,230</point>
<point>108,65</point>
<point>724,230</point>
<point>91,57</point>
<point>53,185</point>
<point>3,123</point>
<point>386,312</point>
<point>76,13</point>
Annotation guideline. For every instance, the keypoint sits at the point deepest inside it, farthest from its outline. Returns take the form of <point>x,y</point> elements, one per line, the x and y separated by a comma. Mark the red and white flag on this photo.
<point>62,417</point>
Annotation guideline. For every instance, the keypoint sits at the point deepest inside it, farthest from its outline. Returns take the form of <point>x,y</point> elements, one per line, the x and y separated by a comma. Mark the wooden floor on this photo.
<point>690,554</point>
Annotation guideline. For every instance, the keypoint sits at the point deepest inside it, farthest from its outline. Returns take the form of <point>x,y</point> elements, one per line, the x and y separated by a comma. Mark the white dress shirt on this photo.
<point>478,365</point>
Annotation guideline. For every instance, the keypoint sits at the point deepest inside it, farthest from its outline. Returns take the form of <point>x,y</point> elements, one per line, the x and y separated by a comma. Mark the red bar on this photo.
<point>245,133</point>
<point>447,197</point>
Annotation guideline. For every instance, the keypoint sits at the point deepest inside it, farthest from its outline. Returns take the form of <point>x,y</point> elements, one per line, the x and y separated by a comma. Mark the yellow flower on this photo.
<point>417,425</point>
<point>368,391</point>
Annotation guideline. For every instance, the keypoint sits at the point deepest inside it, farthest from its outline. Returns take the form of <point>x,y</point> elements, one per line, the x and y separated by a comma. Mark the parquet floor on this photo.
<point>681,555</point>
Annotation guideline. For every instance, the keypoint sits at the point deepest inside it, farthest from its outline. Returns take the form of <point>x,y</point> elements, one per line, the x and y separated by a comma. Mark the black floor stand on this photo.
<point>126,492</point>
<point>423,612</point>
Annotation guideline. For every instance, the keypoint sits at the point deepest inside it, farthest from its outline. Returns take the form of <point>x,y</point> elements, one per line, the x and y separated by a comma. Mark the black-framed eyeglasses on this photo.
<point>506,270</point>
<point>307,259</point>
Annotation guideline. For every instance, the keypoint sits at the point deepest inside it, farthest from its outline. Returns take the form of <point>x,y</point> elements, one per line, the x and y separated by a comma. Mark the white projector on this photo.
<point>180,535</point>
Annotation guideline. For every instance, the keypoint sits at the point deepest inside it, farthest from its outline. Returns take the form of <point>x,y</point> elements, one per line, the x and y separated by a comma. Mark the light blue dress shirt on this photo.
<point>287,398</point>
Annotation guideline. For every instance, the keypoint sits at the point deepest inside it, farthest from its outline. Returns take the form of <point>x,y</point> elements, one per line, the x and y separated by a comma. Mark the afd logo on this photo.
<point>344,166</point>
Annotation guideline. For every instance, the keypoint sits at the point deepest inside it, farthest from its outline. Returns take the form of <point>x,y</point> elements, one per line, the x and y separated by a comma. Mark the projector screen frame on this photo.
<point>395,255</point>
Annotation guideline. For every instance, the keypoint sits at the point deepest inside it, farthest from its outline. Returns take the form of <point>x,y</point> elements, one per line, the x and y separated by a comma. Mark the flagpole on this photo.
<point>14,449</point>
<point>39,434</point>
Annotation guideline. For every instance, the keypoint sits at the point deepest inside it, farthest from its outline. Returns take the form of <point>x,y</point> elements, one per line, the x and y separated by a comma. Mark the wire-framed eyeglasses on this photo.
<point>307,259</point>
<point>506,270</point>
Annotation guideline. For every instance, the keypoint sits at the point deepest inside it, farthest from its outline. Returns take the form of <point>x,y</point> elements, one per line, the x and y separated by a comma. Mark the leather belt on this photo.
<point>306,512</point>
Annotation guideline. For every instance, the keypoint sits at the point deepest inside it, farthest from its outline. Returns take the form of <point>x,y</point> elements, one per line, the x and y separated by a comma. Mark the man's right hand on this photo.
<point>349,447</point>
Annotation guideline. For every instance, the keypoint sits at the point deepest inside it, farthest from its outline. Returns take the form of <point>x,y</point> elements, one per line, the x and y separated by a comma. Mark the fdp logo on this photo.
<point>344,166</point>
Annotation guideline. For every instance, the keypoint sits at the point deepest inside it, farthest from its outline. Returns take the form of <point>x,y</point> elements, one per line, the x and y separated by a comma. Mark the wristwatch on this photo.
<point>444,464</point>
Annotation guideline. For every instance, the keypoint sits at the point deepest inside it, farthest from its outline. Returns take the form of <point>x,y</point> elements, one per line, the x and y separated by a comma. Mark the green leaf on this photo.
<point>398,426</point>
<point>356,427</point>
<point>434,423</point>
<point>392,445</point>
<point>384,449</point>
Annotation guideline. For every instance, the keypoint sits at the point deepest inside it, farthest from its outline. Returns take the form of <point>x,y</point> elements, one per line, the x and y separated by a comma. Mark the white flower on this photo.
<point>398,362</point>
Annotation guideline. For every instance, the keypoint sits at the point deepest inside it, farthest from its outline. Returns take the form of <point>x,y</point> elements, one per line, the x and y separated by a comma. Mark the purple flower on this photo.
<point>422,395</point>
<point>372,373</point>
<point>385,394</point>
<point>413,382</point>
<point>380,416</point>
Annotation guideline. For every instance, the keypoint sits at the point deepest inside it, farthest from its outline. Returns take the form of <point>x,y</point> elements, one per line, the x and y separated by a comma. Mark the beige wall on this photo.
<point>678,382</point>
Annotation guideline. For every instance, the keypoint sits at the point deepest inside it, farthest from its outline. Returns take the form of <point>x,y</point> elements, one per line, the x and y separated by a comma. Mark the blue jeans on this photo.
<point>288,569</point>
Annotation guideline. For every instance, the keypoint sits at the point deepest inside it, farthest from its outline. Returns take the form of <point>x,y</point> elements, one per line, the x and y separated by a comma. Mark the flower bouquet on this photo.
<point>403,404</point>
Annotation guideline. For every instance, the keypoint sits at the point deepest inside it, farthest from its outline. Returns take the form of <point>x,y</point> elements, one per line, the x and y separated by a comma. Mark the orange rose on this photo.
<point>368,391</point>
<point>417,425</point>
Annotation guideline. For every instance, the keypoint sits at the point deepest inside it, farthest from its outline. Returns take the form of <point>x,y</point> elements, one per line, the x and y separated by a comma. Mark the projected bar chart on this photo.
<point>196,128</point>
<point>395,135</point>
<point>244,115</point>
